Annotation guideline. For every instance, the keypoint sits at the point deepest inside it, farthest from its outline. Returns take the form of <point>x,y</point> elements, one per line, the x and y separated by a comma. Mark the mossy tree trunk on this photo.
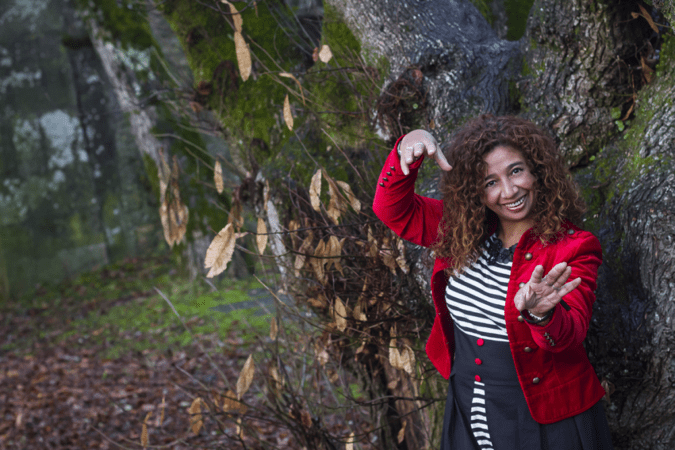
<point>590,74</point>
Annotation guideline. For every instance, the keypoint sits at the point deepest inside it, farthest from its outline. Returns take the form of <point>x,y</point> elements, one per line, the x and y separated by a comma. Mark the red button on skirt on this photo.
<point>480,342</point>
<point>478,361</point>
<point>478,378</point>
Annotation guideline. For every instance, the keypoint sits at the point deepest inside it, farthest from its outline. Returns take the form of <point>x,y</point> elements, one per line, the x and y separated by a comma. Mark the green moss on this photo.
<point>666,56</point>
<point>125,20</point>
<point>517,12</point>
<point>484,8</point>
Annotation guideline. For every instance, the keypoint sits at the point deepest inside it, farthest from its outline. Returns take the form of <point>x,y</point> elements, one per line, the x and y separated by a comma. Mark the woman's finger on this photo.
<point>537,274</point>
<point>556,273</point>
<point>442,161</point>
<point>418,149</point>
<point>569,287</point>
<point>404,162</point>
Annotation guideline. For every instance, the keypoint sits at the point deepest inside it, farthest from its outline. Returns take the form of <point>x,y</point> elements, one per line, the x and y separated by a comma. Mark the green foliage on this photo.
<point>484,8</point>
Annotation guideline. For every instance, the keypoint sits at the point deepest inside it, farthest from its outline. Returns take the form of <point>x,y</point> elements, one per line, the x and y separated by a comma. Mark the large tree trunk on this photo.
<point>583,65</point>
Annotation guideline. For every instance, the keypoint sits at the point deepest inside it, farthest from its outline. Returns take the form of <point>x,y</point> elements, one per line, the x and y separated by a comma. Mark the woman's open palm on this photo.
<point>542,293</point>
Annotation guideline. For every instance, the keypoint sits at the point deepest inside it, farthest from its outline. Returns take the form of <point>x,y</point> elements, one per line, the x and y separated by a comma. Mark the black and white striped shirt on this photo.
<point>476,298</point>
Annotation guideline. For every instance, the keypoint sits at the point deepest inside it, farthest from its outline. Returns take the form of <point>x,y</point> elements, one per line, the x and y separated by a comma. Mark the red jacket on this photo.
<point>553,369</point>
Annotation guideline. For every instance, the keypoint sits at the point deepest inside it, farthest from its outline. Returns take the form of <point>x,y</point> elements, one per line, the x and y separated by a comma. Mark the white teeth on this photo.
<point>518,203</point>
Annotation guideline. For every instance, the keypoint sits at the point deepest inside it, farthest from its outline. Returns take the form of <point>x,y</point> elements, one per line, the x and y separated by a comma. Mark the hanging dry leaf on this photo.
<point>195,415</point>
<point>218,177</point>
<point>394,355</point>
<point>290,75</point>
<point>319,302</point>
<point>261,237</point>
<point>337,204</point>
<point>273,329</point>
<point>230,403</point>
<point>353,201</point>
<point>174,216</point>
<point>315,191</point>
<point>243,55</point>
<point>220,252</point>
<point>400,259</point>
<point>387,254</point>
<point>325,54</point>
<point>350,442</point>
<point>401,432</point>
<point>647,71</point>
<point>144,430</point>
<point>407,359</point>
<point>315,54</point>
<point>318,261</point>
<point>301,257</point>
<point>277,381</point>
<point>334,251</point>
<point>236,17</point>
<point>288,116</point>
<point>321,354</point>
<point>245,377</point>
<point>235,217</point>
<point>340,314</point>
<point>648,18</point>
<point>161,416</point>
<point>306,419</point>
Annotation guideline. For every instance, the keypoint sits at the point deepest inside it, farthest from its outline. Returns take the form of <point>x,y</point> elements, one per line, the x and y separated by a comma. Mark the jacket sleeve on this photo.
<point>569,328</point>
<point>411,216</point>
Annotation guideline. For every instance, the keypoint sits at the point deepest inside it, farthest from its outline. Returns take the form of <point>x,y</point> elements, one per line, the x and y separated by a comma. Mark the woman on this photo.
<point>513,285</point>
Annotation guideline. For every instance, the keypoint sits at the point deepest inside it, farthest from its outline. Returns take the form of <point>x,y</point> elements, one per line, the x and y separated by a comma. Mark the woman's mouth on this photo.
<point>517,205</point>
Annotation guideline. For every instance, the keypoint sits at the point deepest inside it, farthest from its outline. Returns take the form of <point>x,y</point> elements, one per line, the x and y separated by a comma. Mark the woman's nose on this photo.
<point>509,189</point>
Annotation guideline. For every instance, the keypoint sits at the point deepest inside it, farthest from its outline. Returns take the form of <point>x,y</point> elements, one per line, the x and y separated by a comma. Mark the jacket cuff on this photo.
<point>546,336</point>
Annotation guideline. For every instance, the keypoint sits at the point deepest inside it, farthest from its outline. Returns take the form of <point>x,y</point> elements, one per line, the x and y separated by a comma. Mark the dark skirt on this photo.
<point>486,407</point>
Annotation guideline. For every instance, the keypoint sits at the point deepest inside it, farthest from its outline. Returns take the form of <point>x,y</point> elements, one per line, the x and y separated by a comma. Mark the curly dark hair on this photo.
<point>466,219</point>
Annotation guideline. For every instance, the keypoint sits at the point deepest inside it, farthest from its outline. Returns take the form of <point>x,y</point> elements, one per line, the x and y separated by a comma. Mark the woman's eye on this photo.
<point>490,184</point>
<point>517,170</point>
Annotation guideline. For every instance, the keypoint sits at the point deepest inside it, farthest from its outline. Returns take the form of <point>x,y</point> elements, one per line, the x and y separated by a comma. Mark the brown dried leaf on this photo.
<point>301,257</point>
<point>161,417</point>
<point>400,259</point>
<point>337,204</point>
<point>174,216</point>
<point>387,255</point>
<point>261,237</point>
<point>325,54</point>
<point>306,419</point>
<point>315,191</point>
<point>243,55</point>
<point>394,355</point>
<point>318,262</point>
<point>230,403</point>
<point>288,115</point>
<point>340,314</point>
<point>144,430</point>
<point>648,18</point>
<point>319,302</point>
<point>218,177</point>
<point>353,201</point>
<point>401,432</point>
<point>350,442</point>
<point>220,251</point>
<point>245,377</point>
<point>235,215</point>
<point>407,359</point>
<point>647,71</point>
<point>315,54</point>
<point>273,329</point>
<point>277,381</point>
<point>290,75</point>
<point>195,415</point>
<point>236,17</point>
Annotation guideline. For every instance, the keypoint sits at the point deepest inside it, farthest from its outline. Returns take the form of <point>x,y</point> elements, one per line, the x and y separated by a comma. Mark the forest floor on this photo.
<point>84,364</point>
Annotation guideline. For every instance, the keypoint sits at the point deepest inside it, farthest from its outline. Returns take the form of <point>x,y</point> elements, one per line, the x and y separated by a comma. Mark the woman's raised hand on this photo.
<point>542,293</point>
<point>418,143</point>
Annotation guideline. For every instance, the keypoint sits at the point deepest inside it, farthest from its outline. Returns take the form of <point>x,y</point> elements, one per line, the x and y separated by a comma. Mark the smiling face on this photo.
<point>509,190</point>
